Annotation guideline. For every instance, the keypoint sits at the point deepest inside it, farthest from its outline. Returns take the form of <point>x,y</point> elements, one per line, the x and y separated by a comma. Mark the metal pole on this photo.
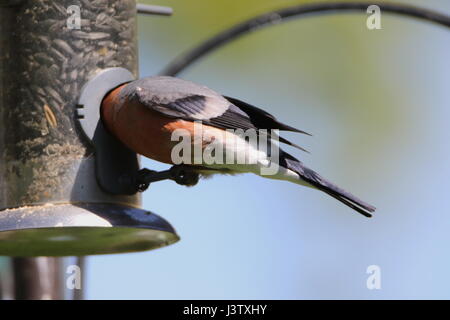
<point>78,294</point>
<point>38,278</point>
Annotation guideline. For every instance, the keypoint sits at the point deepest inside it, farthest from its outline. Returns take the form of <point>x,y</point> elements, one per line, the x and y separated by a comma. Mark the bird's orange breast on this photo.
<point>141,129</point>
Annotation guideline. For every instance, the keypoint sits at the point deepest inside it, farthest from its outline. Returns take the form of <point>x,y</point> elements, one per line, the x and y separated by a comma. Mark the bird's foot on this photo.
<point>181,174</point>
<point>184,175</point>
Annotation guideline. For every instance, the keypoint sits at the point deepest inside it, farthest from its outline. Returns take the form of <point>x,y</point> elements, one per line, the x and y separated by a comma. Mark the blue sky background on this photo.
<point>377,105</point>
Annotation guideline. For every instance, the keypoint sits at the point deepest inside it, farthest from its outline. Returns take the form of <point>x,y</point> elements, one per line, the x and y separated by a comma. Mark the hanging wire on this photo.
<point>154,10</point>
<point>282,15</point>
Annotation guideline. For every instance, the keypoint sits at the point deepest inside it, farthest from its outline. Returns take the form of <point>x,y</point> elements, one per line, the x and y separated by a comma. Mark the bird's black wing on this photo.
<point>178,98</point>
<point>261,118</point>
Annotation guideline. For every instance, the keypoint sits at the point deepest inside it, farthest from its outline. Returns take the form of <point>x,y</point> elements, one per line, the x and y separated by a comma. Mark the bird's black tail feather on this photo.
<point>331,189</point>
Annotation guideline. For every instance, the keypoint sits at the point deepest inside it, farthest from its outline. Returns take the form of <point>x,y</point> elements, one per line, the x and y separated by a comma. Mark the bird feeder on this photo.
<point>66,186</point>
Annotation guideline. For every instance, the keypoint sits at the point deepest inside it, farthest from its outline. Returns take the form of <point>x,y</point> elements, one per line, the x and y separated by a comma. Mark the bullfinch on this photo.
<point>190,126</point>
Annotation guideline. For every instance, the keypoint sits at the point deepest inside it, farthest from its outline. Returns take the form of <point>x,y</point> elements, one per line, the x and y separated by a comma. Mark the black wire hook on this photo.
<point>154,10</point>
<point>276,16</point>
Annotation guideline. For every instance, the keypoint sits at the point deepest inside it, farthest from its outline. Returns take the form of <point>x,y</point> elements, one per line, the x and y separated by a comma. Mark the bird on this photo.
<point>145,114</point>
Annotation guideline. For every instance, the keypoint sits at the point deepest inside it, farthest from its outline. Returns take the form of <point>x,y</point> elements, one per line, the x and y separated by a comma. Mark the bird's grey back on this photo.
<point>164,90</point>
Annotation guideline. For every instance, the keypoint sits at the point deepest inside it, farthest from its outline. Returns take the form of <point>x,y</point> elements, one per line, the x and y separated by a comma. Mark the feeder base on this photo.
<point>81,229</point>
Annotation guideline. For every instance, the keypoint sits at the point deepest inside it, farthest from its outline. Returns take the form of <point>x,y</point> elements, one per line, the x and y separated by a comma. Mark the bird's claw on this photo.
<point>144,178</point>
<point>183,175</point>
